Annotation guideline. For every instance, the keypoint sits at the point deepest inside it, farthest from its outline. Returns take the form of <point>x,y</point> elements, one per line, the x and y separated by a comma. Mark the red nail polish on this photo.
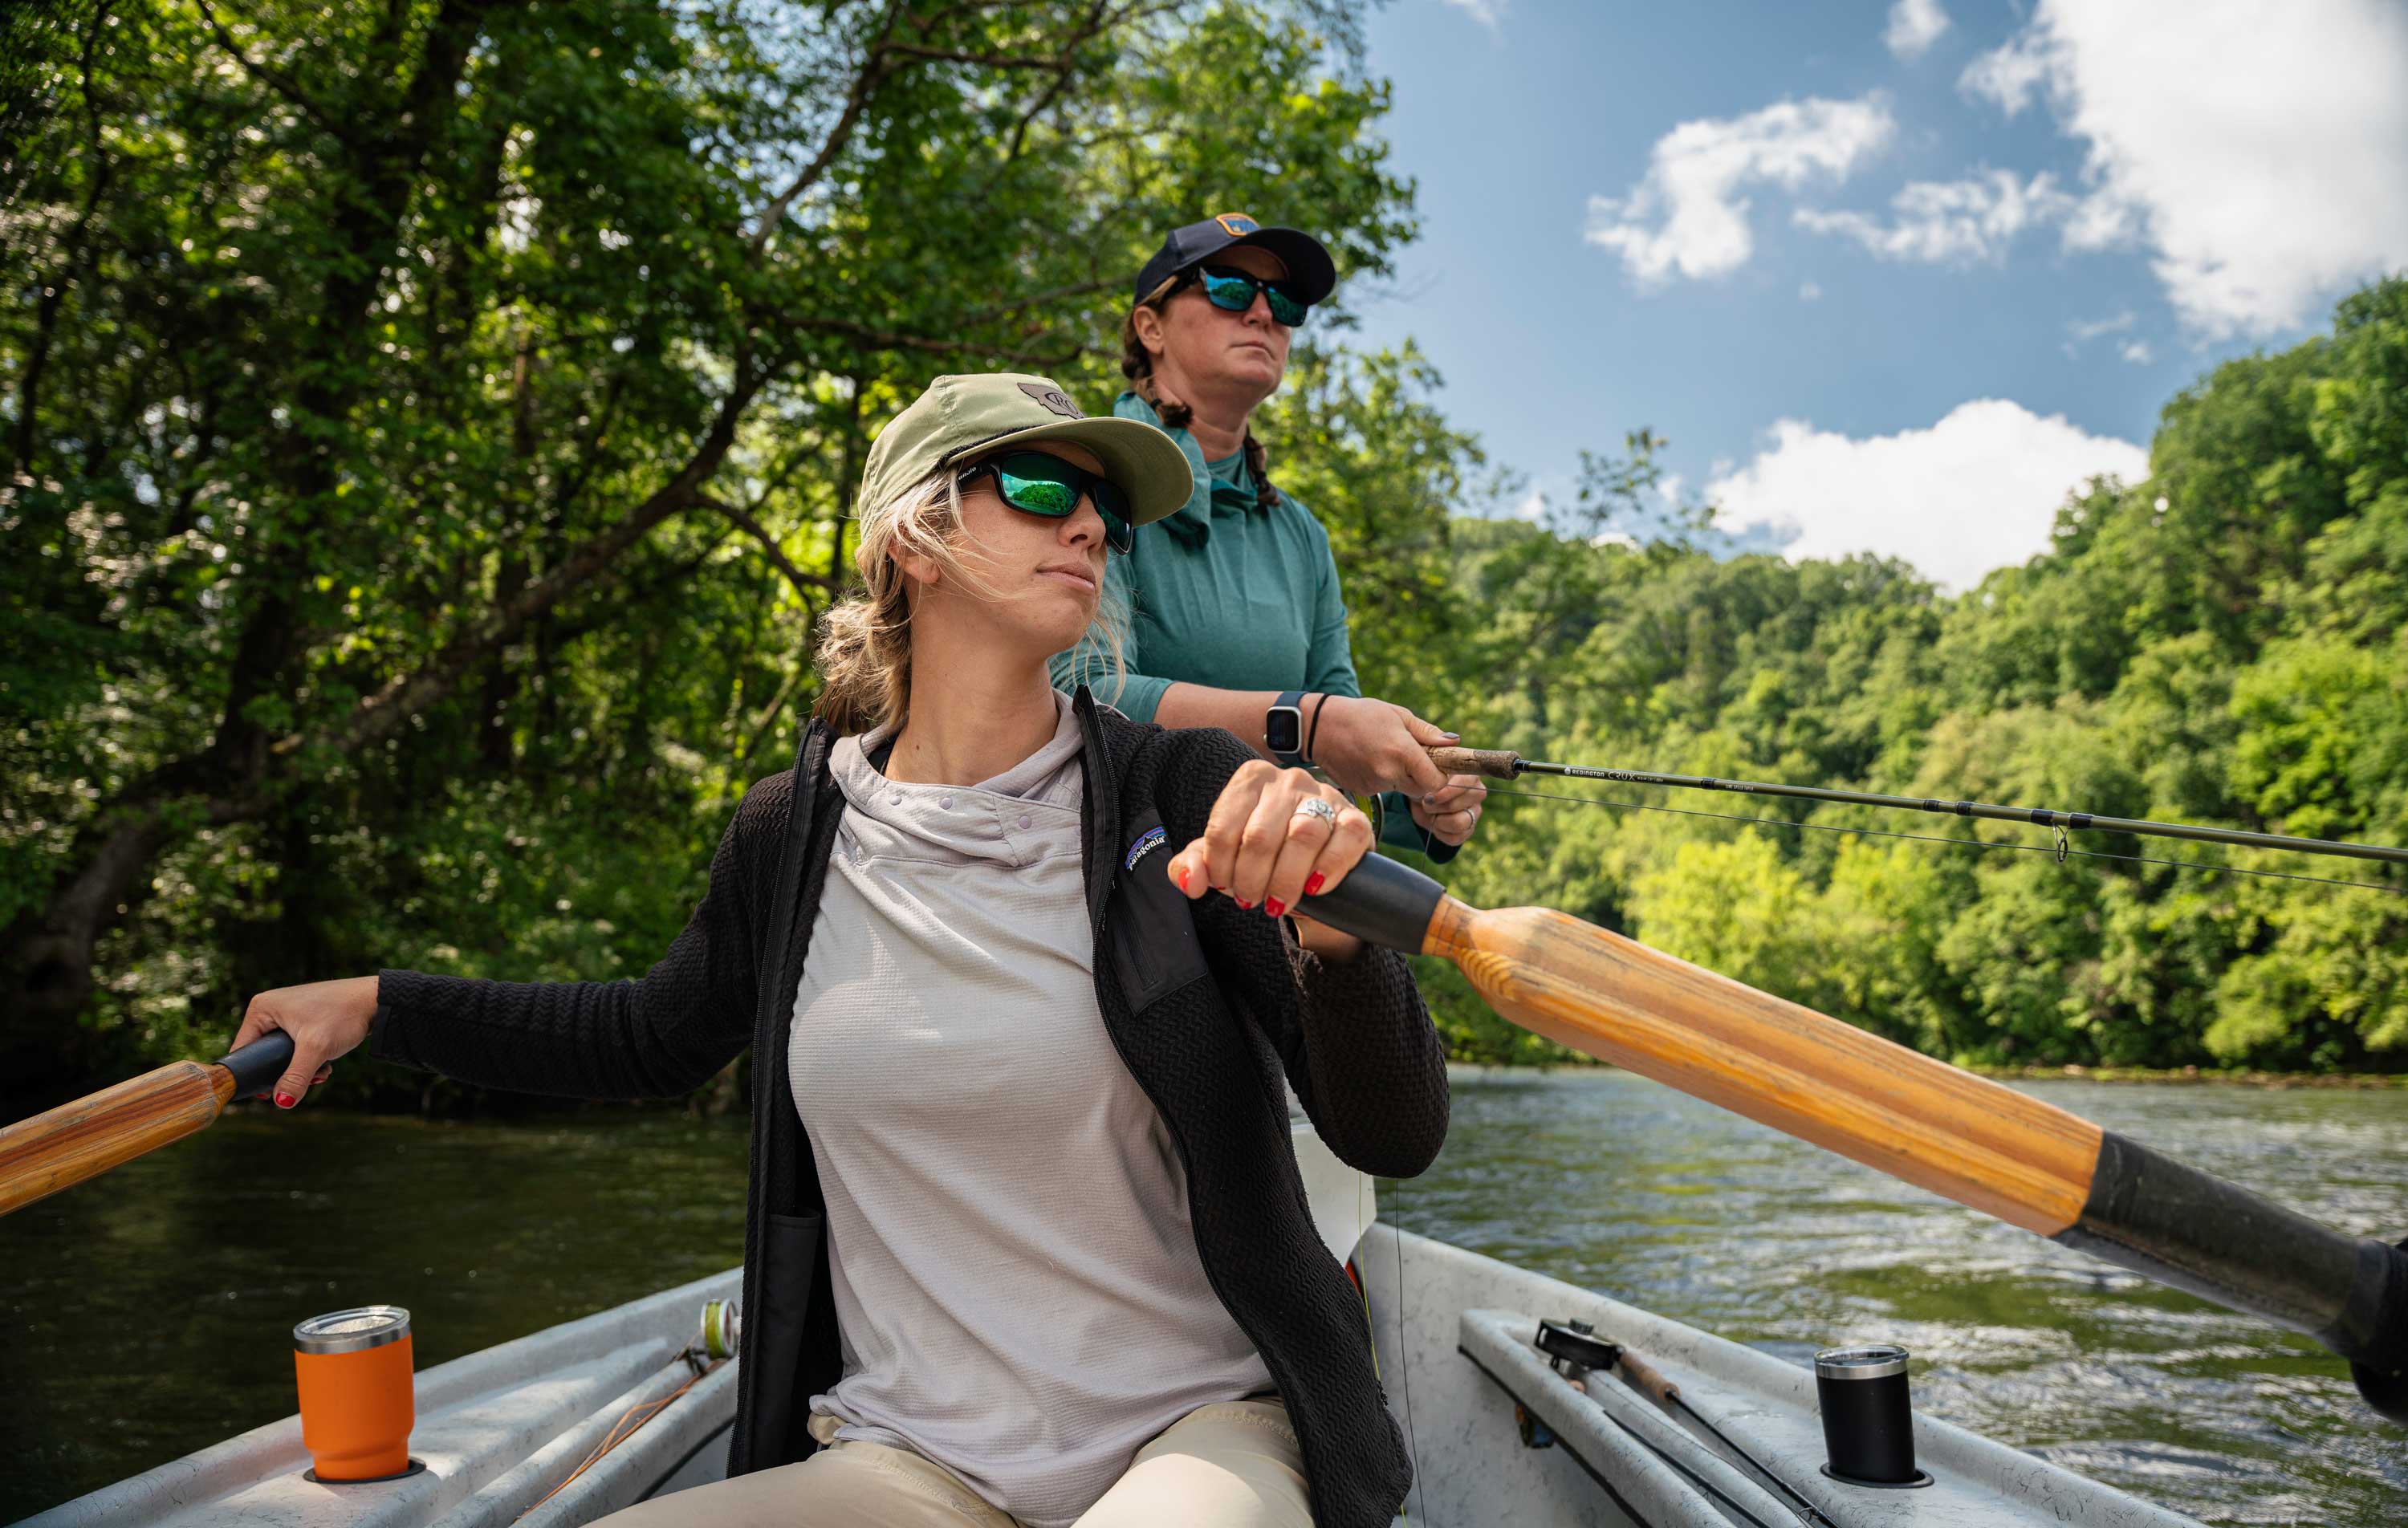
<point>284,1100</point>
<point>1183,877</point>
<point>1314,882</point>
<point>1243,903</point>
<point>1273,906</point>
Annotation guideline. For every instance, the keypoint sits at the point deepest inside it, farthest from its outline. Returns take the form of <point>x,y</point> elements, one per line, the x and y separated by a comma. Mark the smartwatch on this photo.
<point>1283,729</point>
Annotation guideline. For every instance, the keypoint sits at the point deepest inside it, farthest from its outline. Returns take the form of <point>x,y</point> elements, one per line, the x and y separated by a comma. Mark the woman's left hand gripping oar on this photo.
<point>325,1019</point>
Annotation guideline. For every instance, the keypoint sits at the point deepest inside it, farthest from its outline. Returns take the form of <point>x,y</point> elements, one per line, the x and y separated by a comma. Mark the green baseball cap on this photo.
<point>963,417</point>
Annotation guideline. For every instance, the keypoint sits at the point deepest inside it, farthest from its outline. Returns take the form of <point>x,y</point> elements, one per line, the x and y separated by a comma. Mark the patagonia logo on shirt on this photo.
<point>1147,843</point>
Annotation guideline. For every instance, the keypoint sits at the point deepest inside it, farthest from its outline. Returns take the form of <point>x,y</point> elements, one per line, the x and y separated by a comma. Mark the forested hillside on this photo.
<point>426,433</point>
<point>2222,644</point>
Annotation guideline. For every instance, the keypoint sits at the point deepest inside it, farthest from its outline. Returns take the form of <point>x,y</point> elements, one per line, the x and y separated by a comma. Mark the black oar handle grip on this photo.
<point>1379,900</point>
<point>2387,1389</point>
<point>2168,1219</point>
<point>257,1065</point>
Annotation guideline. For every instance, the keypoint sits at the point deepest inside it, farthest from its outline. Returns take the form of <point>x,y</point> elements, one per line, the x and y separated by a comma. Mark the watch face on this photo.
<point>1283,729</point>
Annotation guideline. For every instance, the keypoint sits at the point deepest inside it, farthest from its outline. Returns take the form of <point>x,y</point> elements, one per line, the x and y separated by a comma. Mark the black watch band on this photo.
<point>1283,729</point>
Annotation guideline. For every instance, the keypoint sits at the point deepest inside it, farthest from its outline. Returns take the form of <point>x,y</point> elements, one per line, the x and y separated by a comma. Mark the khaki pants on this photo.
<point>1233,1464</point>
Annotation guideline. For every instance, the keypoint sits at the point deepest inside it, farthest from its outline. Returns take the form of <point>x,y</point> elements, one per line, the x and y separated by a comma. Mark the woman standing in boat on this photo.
<point>1236,616</point>
<point>1025,1241</point>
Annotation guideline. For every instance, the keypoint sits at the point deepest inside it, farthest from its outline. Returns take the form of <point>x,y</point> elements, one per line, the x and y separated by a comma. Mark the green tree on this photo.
<point>428,429</point>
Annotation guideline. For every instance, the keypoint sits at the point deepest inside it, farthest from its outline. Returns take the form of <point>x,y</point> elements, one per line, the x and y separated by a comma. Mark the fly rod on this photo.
<point>1500,764</point>
<point>85,1138</point>
<point>1989,1147</point>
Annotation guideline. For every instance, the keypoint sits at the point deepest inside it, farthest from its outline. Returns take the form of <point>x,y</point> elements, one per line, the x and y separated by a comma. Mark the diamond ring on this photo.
<point>1317,807</point>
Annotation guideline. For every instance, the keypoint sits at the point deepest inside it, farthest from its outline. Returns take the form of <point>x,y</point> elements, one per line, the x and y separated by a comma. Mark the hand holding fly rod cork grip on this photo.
<point>84,1139</point>
<point>2001,1152</point>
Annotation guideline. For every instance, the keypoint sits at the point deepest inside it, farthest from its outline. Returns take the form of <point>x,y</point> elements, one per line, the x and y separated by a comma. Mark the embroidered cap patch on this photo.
<point>1053,398</point>
<point>1146,844</point>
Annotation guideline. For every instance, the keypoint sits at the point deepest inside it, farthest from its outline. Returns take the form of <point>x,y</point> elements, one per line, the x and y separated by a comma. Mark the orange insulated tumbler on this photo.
<point>357,1407</point>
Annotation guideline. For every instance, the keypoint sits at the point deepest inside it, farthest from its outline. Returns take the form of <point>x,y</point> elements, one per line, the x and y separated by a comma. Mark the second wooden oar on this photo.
<point>72,1142</point>
<point>1810,1075</point>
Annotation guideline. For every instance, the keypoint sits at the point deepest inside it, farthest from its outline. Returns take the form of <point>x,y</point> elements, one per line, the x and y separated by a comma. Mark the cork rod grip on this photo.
<point>1648,1380</point>
<point>1495,763</point>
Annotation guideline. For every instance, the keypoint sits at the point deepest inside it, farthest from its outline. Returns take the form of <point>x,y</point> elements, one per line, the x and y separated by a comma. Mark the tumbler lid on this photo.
<point>352,1331</point>
<point>1875,1361</point>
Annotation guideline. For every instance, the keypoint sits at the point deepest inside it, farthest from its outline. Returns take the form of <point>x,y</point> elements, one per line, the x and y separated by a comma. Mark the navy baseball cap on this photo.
<point>1310,271</point>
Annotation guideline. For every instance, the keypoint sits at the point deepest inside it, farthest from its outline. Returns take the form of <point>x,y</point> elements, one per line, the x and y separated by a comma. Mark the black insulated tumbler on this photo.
<point>1867,1423</point>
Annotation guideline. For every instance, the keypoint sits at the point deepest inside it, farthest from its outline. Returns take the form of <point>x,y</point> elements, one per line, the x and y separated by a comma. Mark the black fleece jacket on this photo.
<point>1209,1006</point>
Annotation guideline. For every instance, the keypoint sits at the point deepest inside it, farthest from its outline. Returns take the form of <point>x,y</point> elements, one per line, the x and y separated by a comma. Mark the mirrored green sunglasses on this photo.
<point>1233,289</point>
<point>1040,483</point>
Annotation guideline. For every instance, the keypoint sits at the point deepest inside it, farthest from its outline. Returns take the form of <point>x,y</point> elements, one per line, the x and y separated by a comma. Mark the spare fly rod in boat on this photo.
<point>72,1142</point>
<point>1500,763</point>
<point>1997,1150</point>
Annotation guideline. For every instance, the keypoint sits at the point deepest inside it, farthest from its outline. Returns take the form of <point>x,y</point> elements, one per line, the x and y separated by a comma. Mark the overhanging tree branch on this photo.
<point>377,716</point>
<point>865,83</point>
<point>279,81</point>
<point>985,61</point>
<point>879,340</point>
<point>805,584</point>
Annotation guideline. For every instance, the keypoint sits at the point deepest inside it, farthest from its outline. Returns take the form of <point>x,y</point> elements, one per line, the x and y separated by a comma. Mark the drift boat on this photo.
<point>1662,1427</point>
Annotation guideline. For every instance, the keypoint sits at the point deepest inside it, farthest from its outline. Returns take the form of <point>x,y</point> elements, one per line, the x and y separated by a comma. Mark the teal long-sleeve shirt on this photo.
<point>1230,594</point>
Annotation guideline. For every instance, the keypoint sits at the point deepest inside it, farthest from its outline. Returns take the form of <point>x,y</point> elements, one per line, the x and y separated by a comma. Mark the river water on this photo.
<point>147,1314</point>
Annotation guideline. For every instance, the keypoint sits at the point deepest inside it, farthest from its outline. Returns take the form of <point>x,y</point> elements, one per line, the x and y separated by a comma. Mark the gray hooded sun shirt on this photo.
<point>1016,1279</point>
<point>1210,1009</point>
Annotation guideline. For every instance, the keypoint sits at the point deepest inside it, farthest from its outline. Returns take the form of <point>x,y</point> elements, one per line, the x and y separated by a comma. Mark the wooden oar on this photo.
<point>2002,1152</point>
<point>72,1142</point>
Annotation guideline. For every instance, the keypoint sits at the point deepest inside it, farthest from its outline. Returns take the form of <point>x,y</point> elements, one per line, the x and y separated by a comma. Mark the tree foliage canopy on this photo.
<point>429,430</point>
<point>427,433</point>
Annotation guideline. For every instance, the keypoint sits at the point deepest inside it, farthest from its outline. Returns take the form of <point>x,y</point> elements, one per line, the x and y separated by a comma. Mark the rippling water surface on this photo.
<point>1606,1180</point>
<point>147,1314</point>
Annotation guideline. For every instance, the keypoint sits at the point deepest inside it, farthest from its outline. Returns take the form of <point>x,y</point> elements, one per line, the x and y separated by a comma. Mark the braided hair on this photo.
<point>1137,364</point>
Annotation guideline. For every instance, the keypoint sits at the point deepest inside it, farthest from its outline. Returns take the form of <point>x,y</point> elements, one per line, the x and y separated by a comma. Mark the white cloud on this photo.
<point>1972,219</point>
<point>2259,150</point>
<point>1812,292</point>
<point>2137,351</point>
<point>1488,13</point>
<point>1685,216</point>
<point>2011,75</point>
<point>1915,25</point>
<point>1975,492</point>
<point>2085,330</point>
<point>2082,332</point>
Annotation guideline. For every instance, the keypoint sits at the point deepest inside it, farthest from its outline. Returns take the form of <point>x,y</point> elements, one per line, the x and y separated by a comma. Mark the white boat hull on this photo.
<point>1454,1331</point>
<point>499,1431</point>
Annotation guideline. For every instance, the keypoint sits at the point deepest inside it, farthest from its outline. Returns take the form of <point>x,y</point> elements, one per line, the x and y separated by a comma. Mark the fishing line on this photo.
<point>1404,1359</point>
<point>2060,849</point>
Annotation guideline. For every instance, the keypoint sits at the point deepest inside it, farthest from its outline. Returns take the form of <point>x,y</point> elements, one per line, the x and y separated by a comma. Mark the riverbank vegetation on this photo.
<point>425,438</point>
<point>2222,644</point>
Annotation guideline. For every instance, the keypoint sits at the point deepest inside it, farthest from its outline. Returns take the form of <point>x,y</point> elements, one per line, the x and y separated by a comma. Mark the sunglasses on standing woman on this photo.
<point>1231,290</point>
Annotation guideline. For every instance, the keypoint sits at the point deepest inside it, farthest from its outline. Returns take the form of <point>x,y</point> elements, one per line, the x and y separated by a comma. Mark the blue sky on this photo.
<point>1887,277</point>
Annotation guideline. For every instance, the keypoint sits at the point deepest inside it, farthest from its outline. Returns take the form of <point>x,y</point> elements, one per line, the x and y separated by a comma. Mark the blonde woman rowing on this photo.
<point>1027,1243</point>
